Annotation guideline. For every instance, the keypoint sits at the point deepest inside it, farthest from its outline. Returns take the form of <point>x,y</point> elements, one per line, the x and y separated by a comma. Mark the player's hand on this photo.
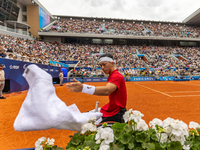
<point>75,86</point>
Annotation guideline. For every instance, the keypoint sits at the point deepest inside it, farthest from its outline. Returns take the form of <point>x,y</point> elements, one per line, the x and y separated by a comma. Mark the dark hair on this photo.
<point>106,55</point>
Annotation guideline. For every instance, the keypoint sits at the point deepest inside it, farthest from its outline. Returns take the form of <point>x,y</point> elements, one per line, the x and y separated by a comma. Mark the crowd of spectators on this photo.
<point>157,60</point>
<point>75,26</point>
<point>124,28</point>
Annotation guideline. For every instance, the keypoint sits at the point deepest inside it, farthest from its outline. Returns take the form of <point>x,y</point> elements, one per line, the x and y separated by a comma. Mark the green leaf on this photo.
<point>128,128</point>
<point>188,142</point>
<point>131,145</point>
<point>76,141</point>
<point>196,143</point>
<point>125,138</point>
<point>152,134</point>
<point>175,146</point>
<point>70,145</point>
<point>158,147</point>
<point>90,137</point>
<point>142,137</point>
<point>163,145</point>
<point>118,126</point>
<point>148,146</point>
<point>151,131</point>
<point>118,146</point>
<point>71,148</point>
<point>154,137</point>
<point>118,134</point>
<point>90,143</point>
<point>96,147</point>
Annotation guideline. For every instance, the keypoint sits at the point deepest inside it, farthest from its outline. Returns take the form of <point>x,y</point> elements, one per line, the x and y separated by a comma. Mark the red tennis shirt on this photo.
<point>117,99</point>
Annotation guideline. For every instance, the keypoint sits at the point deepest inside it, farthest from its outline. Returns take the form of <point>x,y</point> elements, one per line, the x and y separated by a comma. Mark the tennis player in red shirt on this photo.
<point>115,89</point>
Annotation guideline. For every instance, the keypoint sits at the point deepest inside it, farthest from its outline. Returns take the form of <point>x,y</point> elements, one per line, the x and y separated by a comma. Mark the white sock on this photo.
<point>42,109</point>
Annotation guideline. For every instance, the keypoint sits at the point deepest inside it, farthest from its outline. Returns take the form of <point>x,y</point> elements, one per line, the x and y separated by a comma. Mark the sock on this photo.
<point>42,109</point>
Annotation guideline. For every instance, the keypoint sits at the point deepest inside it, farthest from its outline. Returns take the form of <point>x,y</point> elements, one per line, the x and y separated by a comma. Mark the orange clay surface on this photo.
<point>155,99</point>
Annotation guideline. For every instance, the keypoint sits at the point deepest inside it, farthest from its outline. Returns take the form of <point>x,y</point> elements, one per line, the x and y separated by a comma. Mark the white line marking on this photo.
<point>154,90</point>
<point>187,83</point>
<point>182,91</point>
<point>185,95</point>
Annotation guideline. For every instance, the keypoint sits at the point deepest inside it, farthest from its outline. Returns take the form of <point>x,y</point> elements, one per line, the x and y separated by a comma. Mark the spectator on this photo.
<point>2,81</point>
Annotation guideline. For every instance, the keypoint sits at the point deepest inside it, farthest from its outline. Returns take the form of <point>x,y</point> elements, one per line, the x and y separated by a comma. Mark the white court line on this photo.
<point>185,83</point>
<point>185,95</point>
<point>154,90</point>
<point>182,92</point>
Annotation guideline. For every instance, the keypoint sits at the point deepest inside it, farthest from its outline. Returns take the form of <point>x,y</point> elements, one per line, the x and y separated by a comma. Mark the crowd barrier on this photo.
<point>14,69</point>
<point>165,78</point>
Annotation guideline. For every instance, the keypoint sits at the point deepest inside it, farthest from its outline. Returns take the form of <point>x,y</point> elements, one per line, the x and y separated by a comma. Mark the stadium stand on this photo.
<point>140,48</point>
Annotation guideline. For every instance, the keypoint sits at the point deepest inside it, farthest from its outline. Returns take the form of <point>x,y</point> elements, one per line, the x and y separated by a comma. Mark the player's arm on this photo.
<point>76,86</point>
<point>105,90</point>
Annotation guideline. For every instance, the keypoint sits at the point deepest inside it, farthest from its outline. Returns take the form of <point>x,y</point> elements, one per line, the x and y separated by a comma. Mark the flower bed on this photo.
<point>169,134</point>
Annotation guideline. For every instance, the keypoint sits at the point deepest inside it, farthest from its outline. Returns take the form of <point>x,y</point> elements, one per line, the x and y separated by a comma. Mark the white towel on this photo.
<point>42,109</point>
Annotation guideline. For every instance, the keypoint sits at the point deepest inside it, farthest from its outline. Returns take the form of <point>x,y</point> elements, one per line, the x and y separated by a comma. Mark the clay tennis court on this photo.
<point>155,99</point>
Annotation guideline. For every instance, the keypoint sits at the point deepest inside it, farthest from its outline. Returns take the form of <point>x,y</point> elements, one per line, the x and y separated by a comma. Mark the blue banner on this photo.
<point>59,63</point>
<point>143,79</point>
<point>14,69</point>
<point>180,78</point>
<point>86,68</point>
<point>69,62</point>
<point>90,79</point>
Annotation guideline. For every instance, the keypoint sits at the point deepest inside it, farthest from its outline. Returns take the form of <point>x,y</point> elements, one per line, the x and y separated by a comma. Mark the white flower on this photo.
<point>186,147</point>
<point>88,127</point>
<point>98,141</point>
<point>193,125</point>
<point>92,120</point>
<point>42,139</point>
<point>155,122</point>
<point>177,130</point>
<point>167,122</point>
<point>126,115</point>
<point>50,142</point>
<point>181,139</point>
<point>38,143</point>
<point>136,116</point>
<point>132,115</point>
<point>141,126</point>
<point>104,147</point>
<point>163,138</point>
<point>98,135</point>
<point>107,135</point>
<point>39,148</point>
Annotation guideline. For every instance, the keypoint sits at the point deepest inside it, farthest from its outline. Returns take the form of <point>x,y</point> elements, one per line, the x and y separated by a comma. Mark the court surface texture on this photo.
<point>155,99</point>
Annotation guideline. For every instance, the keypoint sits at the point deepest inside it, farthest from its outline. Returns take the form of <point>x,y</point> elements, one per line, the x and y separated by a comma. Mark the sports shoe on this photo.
<point>2,97</point>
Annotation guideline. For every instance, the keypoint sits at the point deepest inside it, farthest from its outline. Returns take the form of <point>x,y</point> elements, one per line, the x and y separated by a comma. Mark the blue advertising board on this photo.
<point>89,79</point>
<point>59,63</point>
<point>44,18</point>
<point>143,79</point>
<point>69,62</point>
<point>14,69</point>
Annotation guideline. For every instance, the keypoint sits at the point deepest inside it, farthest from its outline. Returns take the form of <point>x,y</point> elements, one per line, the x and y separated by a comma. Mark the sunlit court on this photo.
<point>155,99</point>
